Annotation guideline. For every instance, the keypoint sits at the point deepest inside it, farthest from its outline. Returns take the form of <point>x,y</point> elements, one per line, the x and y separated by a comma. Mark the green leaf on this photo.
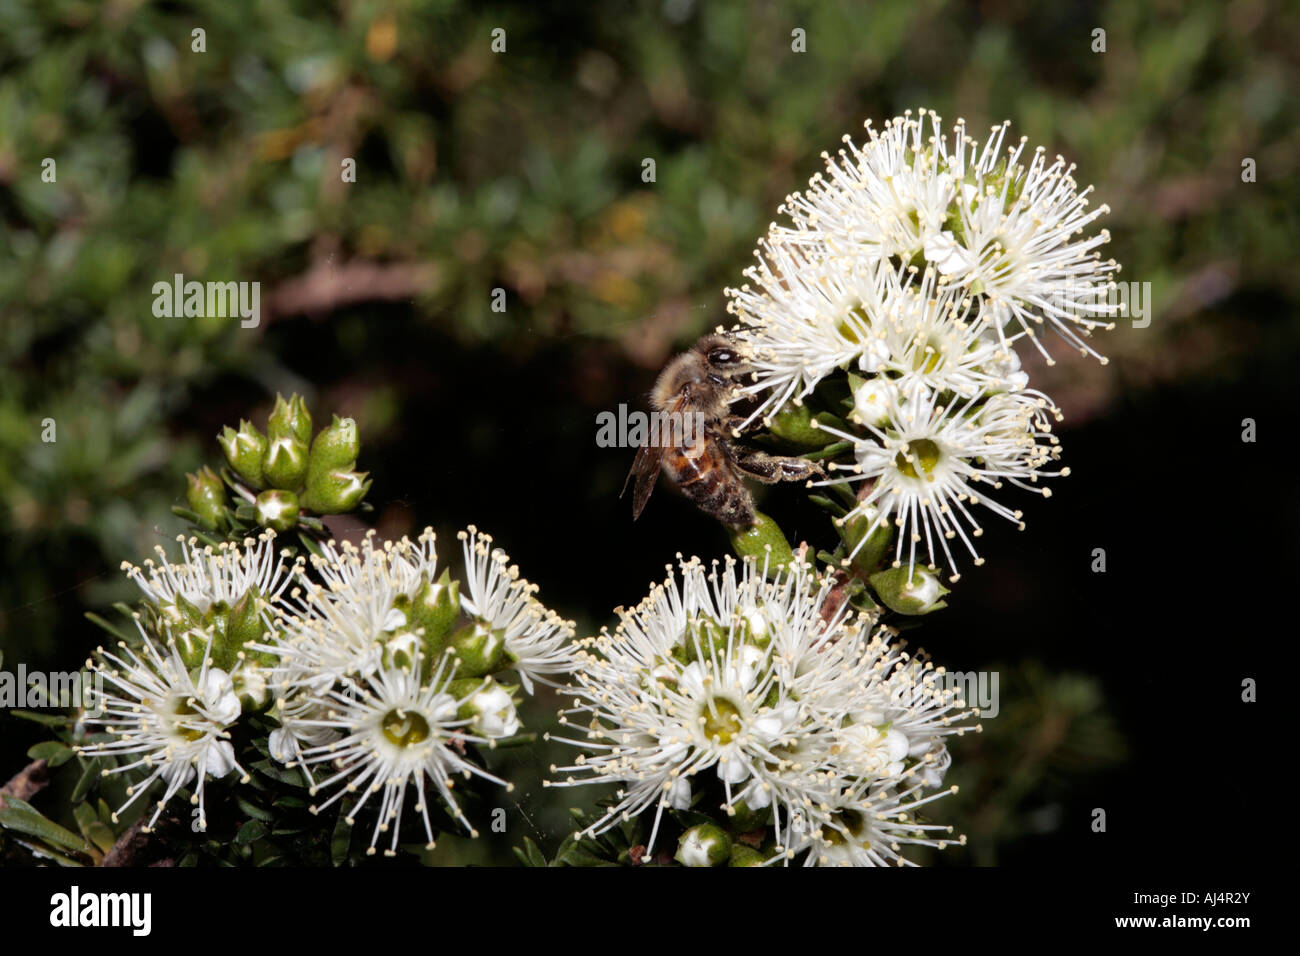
<point>22,817</point>
<point>340,841</point>
<point>834,507</point>
<point>254,811</point>
<point>830,451</point>
<point>49,720</point>
<point>42,850</point>
<point>55,753</point>
<point>531,854</point>
<point>577,854</point>
<point>289,775</point>
<point>86,782</point>
<point>92,828</point>
<point>250,831</point>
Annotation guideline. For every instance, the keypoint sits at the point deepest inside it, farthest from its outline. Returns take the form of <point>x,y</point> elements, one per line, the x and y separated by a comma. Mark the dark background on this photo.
<point>522,171</point>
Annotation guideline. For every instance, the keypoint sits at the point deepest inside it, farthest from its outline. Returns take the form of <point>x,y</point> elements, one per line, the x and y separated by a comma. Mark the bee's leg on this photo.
<point>734,425</point>
<point>770,469</point>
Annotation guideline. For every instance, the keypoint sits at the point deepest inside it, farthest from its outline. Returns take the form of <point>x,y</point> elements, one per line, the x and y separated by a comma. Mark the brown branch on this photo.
<point>839,590</point>
<point>28,782</point>
<point>137,847</point>
<point>836,597</point>
<point>326,287</point>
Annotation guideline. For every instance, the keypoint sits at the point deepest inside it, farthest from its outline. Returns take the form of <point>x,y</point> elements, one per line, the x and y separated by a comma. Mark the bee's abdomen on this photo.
<point>709,480</point>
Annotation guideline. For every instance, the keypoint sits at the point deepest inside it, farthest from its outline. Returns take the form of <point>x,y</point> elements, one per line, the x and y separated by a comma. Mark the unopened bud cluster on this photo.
<point>284,473</point>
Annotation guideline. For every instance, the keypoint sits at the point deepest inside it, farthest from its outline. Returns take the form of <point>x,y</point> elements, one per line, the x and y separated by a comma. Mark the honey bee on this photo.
<point>700,386</point>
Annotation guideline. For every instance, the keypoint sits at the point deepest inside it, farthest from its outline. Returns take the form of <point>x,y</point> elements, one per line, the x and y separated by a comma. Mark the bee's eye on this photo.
<point>722,356</point>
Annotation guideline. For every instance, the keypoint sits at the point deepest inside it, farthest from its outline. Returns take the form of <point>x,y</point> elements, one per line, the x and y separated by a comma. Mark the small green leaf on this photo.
<point>49,720</point>
<point>340,841</point>
<point>290,775</point>
<point>53,752</point>
<point>531,854</point>
<point>254,811</point>
<point>250,831</point>
<point>86,782</point>
<point>92,828</point>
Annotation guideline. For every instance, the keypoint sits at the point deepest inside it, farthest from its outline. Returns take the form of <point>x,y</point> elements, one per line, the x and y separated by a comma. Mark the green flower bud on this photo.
<point>765,541</point>
<point>478,650</point>
<point>289,419</point>
<point>871,551</point>
<point>746,820</point>
<point>435,608</point>
<point>335,448</point>
<point>181,614</point>
<point>192,644</point>
<point>919,595</point>
<point>206,496</point>
<point>400,649</point>
<point>244,451</point>
<point>873,399</point>
<point>793,423</point>
<point>253,686</point>
<point>285,465</point>
<point>742,855</point>
<point>704,639</point>
<point>277,510</point>
<point>335,492</point>
<point>489,706</point>
<point>703,845</point>
<point>246,623</point>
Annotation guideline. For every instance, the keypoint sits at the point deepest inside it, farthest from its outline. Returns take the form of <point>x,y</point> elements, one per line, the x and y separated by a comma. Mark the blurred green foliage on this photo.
<point>522,170</point>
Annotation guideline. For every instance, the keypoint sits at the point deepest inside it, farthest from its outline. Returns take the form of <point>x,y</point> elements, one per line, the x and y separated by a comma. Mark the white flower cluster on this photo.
<point>912,268</point>
<point>764,696</point>
<point>374,667</point>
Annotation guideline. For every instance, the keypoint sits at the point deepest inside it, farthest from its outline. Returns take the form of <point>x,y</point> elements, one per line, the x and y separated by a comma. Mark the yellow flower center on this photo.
<point>405,728</point>
<point>721,720</point>
<point>920,452</point>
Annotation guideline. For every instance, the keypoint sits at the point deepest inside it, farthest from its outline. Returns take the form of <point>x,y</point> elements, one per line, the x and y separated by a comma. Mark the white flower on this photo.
<point>1021,244</point>
<point>1001,230</point>
<point>391,731</point>
<point>871,827</point>
<point>873,202</point>
<point>804,317</point>
<point>687,687</point>
<point>494,711</point>
<point>538,642</point>
<point>926,464</point>
<point>932,339</point>
<point>948,256</point>
<point>163,719</point>
<point>808,714</point>
<point>210,577</point>
<point>363,609</point>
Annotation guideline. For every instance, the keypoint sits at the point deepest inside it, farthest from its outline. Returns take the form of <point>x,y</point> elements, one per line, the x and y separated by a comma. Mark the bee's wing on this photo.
<point>646,468</point>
